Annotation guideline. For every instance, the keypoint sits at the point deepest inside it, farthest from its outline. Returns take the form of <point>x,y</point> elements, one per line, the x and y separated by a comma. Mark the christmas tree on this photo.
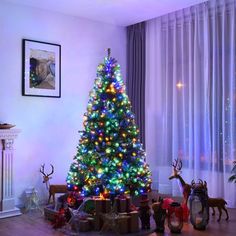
<point>110,157</point>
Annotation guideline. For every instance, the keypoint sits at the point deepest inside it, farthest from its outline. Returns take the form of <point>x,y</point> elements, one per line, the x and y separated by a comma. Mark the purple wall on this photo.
<point>50,125</point>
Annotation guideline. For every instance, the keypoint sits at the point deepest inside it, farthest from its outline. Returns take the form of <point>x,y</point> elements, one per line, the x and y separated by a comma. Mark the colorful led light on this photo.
<point>109,150</point>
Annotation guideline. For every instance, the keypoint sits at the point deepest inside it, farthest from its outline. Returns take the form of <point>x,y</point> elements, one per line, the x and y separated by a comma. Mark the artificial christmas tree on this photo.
<point>110,159</point>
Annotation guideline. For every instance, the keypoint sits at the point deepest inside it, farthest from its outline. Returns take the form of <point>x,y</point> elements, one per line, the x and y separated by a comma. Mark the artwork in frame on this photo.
<point>41,69</point>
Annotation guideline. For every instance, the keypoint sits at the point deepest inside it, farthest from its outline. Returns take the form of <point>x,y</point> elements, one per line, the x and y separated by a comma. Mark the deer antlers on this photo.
<point>46,176</point>
<point>200,184</point>
<point>177,164</point>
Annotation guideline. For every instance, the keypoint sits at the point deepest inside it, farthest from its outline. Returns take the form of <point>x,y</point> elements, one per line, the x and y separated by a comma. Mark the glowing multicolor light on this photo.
<point>110,157</point>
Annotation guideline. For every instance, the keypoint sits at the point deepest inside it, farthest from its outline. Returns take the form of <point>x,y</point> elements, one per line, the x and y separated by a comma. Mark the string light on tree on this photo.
<point>110,157</point>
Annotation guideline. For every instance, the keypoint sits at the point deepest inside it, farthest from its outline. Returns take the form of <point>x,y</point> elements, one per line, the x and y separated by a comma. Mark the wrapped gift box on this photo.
<point>102,205</point>
<point>123,223</point>
<point>91,221</point>
<point>84,226</point>
<point>134,221</point>
<point>122,204</point>
<point>131,222</point>
<point>98,222</point>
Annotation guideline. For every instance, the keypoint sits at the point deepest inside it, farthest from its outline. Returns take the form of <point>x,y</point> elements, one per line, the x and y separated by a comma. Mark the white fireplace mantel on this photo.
<point>7,199</point>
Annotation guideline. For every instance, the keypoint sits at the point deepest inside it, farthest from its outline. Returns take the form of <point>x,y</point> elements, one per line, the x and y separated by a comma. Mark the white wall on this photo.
<point>50,125</point>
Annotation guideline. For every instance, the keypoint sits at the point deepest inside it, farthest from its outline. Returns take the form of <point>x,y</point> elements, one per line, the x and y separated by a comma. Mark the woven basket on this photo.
<point>50,213</point>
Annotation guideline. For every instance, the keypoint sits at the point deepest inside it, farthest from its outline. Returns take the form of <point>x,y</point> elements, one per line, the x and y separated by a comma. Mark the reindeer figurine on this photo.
<point>219,203</point>
<point>54,188</point>
<point>186,188</point>
<point>46,177</point>
<point>212,202</point>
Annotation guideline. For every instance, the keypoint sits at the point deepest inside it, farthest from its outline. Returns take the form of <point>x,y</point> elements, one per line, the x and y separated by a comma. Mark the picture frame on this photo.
<point>41,69</point>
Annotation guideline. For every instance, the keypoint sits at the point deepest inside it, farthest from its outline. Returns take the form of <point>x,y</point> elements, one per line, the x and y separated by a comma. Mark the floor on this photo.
<point>34,224</point>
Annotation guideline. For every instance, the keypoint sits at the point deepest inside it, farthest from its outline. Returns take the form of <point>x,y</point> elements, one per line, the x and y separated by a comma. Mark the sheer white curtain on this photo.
<point>191,96</point>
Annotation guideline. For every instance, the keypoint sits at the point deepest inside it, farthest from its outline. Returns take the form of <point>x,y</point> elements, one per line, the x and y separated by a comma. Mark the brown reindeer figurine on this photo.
<point>186,188</point>
<point>219,203</point>
<point>46,177</point>
<point>54,188</point>
<point>213,202</point>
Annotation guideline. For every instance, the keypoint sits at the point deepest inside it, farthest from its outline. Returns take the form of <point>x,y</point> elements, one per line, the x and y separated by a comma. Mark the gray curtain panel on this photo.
<point>136,73</point>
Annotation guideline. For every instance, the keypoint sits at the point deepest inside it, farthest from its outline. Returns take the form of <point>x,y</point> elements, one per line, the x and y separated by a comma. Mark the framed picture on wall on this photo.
<point>41,69</point>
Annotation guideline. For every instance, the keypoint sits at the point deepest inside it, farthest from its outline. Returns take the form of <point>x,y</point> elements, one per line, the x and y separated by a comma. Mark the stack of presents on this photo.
<point>96,213</point>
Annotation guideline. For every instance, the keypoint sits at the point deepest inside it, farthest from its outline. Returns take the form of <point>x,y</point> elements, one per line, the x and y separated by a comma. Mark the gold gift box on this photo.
<point>122,205</point>
<point>129,223</point>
